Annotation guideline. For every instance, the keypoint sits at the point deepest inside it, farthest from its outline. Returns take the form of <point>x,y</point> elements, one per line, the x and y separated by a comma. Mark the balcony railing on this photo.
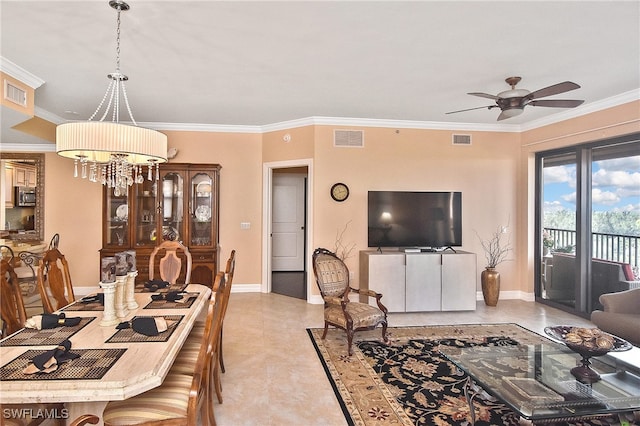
<point>614,247</point>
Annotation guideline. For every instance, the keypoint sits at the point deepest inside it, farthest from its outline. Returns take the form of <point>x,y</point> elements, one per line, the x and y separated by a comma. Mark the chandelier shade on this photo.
<point>114,152</point>
<point>99,141</point>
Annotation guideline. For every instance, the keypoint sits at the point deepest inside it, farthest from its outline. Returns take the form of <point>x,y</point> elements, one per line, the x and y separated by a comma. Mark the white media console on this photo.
<point>420,281</point>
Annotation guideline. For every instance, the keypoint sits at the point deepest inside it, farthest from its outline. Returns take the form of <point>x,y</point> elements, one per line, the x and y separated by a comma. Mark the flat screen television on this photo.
<point>414,219</point>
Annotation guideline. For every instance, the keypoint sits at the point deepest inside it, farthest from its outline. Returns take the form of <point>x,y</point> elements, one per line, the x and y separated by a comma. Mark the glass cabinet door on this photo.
<point>146,212</point>
<point>201,207</point>
<point>173,226</point>
<point>117,220</point>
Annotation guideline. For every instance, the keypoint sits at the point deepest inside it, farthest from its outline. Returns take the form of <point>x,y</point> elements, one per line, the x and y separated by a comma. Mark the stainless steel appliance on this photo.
<point>25,196</point>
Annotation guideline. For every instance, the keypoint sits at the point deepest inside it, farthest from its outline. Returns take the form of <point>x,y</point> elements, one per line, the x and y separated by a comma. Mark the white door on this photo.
<point>287,229</point>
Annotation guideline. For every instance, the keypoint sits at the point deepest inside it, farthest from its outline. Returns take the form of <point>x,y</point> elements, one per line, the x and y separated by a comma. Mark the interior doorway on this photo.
<point>287,212</point>
<point>288,232</point>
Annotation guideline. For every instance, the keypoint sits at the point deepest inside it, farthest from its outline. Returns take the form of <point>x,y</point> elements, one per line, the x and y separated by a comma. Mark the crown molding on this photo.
<point>19,73</point>
<point>197,127</point>
<point>27,147</point>
<point>613,101</point>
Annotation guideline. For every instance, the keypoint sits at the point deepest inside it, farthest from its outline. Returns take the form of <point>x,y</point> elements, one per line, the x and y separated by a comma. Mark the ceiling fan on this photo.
<point>512,102</point>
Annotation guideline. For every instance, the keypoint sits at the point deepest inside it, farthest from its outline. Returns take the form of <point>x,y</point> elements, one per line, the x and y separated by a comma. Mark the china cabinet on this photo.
<point>181,204</point>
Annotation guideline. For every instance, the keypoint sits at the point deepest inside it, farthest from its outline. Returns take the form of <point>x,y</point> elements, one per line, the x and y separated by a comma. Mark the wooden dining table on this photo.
<point>117,364</point>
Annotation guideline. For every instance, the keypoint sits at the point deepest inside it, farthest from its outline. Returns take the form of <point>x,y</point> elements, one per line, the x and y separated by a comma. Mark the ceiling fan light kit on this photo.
<point>512,102</point>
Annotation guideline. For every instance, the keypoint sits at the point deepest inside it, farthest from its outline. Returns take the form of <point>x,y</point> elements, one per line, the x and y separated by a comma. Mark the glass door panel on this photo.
<point>172,207</point>
<point>117,220</point>
<point>615,229</point>
<point>146,211</point>
<point>558,263</point>
<point>201,210</point>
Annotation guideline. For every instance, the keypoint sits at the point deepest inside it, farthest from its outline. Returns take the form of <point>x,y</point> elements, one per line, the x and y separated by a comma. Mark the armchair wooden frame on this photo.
<point>332,277</point>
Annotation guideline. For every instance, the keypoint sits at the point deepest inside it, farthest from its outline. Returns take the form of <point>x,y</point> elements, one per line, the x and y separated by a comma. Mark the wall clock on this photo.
<point>339,191</point>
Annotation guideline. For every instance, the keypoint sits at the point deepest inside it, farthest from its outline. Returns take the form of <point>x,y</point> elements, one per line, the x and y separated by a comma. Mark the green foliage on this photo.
<point>609,222</point>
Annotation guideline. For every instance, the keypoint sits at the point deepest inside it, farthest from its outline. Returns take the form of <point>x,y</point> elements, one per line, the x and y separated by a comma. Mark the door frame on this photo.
<point>267,199</point>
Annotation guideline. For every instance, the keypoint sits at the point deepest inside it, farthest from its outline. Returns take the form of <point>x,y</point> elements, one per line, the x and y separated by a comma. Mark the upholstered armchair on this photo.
<point>332,277</point>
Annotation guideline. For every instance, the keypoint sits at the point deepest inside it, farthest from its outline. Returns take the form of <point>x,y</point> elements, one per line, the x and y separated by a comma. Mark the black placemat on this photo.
<point>92,364</point>
<point>128,335</point>
<point>46,337</point>
<point>183,303</point>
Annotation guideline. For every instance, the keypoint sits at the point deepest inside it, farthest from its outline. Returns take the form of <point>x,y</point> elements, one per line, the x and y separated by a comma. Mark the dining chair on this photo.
<point>182,396</point>
<point>185,361</point>
<point>170,264</point>
<point>54,281</point>
<point>13,312</point>
<point>85,419</point>
<point>229,271</point>
<point>332,277</point>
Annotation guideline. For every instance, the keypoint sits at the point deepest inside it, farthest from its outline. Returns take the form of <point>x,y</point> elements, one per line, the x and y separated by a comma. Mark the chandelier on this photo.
<point>110,152</point>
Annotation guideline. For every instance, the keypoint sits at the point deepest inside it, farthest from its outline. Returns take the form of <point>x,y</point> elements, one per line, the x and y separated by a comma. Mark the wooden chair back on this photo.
<point>170,265</point>
<point>54,281</point>
<point>12,308</point>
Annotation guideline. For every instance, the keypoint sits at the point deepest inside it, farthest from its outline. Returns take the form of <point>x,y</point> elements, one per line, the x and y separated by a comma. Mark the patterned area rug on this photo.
<point>409,382</point>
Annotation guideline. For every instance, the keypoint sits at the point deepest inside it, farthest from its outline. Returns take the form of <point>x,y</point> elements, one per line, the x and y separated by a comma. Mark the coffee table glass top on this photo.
<point>535,380</point>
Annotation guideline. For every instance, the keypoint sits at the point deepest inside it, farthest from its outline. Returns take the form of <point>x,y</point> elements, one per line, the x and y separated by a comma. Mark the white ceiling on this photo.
<point>258,63</point>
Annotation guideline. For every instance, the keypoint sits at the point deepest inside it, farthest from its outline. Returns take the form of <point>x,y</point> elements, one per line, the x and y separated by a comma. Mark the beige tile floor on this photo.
<point>273,376</point>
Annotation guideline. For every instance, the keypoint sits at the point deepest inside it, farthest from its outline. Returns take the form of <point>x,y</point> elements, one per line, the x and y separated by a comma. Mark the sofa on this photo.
<point>607,277</point>
<point>621,315</point>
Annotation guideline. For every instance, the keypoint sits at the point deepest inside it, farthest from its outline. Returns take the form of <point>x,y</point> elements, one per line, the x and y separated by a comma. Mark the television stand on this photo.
<point>449,248</point>
<point>421,281</point>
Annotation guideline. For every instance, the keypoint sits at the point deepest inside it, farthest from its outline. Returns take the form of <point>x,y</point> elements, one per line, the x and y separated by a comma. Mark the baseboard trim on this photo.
<point>511,295</point>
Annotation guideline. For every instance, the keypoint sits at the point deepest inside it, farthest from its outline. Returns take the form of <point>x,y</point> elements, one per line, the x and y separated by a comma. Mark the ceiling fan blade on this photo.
<point>557,103</point>
<point>553,90</point>
<point>484,95</point>
<point>471,109</point>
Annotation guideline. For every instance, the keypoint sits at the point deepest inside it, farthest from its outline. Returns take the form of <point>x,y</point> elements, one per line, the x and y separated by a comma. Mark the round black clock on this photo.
<point>339,191</point>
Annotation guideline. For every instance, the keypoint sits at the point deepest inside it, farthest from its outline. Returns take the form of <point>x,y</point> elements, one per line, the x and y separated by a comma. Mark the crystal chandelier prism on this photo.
<point>110,152</point>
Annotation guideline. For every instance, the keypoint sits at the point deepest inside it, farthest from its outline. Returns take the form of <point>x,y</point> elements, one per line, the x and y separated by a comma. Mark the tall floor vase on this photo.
<point>490,279</point>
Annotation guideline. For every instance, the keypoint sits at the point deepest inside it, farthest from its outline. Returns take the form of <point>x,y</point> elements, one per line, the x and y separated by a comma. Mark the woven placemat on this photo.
<point>92,364</point>
<point>140,288</point>
<point>82,306</point>
<point>128,335</point>
<point>46,337</point>
<point>183,303</point>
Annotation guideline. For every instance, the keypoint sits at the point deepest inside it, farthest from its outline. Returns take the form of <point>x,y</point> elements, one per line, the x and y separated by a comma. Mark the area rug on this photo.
<point>409,381</point>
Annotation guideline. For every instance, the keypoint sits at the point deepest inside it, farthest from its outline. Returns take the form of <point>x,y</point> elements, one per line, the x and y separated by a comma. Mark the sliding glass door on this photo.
<point>587,223</point>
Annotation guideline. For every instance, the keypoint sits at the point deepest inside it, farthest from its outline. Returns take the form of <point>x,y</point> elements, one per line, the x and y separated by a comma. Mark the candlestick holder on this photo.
<point>109,314</point>
<point>121,309</point>
<point>130,289</point>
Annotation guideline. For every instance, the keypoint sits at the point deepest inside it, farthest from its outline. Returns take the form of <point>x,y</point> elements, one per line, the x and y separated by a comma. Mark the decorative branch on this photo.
<point>340,249</point>
<point>495,249</point>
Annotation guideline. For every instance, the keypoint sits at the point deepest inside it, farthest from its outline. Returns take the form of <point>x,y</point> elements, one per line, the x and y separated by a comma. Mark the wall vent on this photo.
<point>461,139</point>
<point>15,94</point>
<point>348,138</point>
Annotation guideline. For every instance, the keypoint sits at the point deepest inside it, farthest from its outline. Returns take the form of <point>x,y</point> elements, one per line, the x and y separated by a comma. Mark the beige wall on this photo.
<point>418,160</point>
<point>495,175</point>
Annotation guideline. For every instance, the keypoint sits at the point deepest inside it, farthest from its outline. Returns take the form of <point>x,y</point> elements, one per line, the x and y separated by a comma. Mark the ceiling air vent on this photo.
<point>348,138</point>
<point>461,139</point>
<point>15,94</point>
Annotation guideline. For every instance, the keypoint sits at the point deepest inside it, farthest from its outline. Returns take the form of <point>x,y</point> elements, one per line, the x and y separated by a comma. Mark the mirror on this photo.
<point>27,215</point>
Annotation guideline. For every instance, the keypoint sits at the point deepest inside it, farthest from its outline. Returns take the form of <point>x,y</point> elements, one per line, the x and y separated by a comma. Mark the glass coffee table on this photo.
<point>535,381</point>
